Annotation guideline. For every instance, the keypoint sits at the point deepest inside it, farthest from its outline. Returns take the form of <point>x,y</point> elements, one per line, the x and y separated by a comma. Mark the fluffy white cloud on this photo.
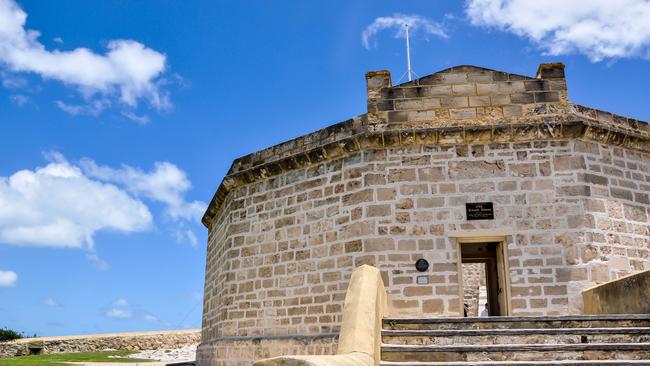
<point>150,318</point>
<point>8,278</point>
<point>57,205</point>
<point>599,29</point>
<point>417,25</point>
<point>128,69</point>
<point>63,204</point>
<point>166,183</point>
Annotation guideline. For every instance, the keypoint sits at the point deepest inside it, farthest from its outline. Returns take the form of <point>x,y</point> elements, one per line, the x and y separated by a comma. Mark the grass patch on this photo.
<point>57,359</point>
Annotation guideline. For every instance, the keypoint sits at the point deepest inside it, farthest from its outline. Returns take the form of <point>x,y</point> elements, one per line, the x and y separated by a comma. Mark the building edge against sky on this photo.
<point>567,186</point>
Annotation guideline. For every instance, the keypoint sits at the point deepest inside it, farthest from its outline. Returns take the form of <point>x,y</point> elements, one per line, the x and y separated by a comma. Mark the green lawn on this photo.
<point>56,359</point>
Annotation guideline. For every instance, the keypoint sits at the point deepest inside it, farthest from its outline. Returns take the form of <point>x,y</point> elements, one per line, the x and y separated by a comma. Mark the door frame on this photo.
<point>502,252</point>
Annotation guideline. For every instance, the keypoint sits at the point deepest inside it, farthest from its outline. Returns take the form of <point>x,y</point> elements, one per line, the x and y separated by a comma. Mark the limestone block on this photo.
<point>479,101</point>
<point>454,102</point>
<point>462,113</point>
<point>511,86</point>
<point>569,162</point>
<point>635,213</point>
<point>464,89</point>
<point>476,169</point>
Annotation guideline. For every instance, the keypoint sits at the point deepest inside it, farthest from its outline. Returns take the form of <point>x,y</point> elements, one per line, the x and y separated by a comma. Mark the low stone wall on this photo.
<point>627,295</point>
<point>244,351</point>
<point>97,342</point>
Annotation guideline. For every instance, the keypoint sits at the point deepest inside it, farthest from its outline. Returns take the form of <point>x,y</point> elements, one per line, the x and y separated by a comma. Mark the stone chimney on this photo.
<point>375,82</point>
<point>552,76</point>
<point>553,70</point>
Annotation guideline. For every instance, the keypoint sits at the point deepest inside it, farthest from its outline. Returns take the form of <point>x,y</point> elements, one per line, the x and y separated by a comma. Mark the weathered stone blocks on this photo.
<point>476,169</point>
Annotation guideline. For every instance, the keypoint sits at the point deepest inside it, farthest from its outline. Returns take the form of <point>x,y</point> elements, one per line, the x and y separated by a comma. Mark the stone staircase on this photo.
<point>604,340</point>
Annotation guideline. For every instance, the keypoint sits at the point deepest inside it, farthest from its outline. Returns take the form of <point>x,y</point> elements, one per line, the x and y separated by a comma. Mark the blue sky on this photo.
<point>119,119</point>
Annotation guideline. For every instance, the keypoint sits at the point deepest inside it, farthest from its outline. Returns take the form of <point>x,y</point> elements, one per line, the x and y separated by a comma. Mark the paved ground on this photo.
<point>187,353</point>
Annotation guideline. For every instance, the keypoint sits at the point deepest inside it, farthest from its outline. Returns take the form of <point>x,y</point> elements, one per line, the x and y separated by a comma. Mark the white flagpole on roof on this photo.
<point>408,53</point>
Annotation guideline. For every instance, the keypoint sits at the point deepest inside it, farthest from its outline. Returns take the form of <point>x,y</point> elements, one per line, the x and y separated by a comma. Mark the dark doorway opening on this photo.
<point>487,260</point>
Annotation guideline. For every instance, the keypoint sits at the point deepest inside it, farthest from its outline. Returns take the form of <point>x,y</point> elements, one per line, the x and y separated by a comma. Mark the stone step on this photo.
<point>516,352</point>
<point>498,322</point>
<point>525,363</point>
<point>517,336</point>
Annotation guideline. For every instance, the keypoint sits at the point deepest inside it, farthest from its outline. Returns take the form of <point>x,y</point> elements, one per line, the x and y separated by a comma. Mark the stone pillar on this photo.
<point>378,88</point>
<point>375,82</point>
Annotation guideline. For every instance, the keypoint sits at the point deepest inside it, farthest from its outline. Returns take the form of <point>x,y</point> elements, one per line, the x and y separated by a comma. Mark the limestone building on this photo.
<point>537,197</point>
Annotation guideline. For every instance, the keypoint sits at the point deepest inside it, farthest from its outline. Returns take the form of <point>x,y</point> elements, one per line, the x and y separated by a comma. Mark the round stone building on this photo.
<point>467,186</point>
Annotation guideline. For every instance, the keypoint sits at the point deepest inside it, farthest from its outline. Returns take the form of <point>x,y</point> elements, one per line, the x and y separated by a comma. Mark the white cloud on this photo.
<point>12,81</point>
<point>418,25</point>
<point>92,108</point>
<point>121,302</point>
<point>120,310</point>
<point>128,70</point>
<point>119,314</point>
<point>166,183</point>
<point>99,263</point>
<point>191,237</point>
<point>150,318</point>
<point>58,206</point>
<point>144,119</point>
<point>599,29</point>
<point>64,204</point>
<point>51,302</point>
<point>184,235</point>
<point>8,278</point>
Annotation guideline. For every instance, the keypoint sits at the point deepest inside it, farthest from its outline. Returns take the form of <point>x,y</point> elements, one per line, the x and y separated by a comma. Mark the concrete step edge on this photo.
<point>517,347</point>
<point>522,332</point>
<point>505,319</point>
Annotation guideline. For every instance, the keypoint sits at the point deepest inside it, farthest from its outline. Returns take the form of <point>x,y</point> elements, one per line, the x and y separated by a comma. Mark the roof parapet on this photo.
<point>460,105</point>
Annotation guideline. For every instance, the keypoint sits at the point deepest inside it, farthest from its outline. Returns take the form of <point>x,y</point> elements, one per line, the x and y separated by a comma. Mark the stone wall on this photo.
<point>473,279</point>
<point>98,342</point>
<point>615,242</point>
<point>244,351</point>
<point>281,251</point>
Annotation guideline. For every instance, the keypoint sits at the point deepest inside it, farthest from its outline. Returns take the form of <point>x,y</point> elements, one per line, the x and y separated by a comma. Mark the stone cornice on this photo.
<point>354,135</point>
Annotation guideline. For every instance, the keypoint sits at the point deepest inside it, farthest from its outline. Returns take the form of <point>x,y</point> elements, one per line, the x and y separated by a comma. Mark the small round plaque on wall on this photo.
<point>421,265</point>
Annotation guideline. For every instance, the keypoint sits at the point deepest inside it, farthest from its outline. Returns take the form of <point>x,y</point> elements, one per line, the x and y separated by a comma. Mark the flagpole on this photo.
<point>408,52</point>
